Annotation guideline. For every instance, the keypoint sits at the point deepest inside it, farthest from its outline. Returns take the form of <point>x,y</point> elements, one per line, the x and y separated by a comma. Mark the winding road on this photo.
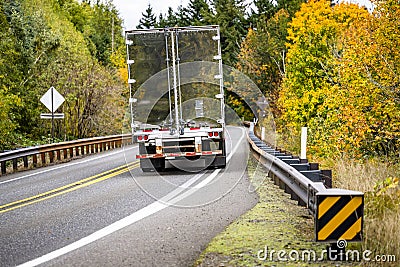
<point>102,210</point>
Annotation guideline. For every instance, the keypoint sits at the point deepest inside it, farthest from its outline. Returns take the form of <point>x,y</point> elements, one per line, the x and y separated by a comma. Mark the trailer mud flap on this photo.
<point>152,164</point>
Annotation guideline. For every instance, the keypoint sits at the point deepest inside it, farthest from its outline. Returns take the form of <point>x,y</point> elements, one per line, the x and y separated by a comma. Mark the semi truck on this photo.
<point>176,99</point>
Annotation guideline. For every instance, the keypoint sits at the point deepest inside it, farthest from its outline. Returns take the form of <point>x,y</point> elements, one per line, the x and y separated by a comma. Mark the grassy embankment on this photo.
<point>379,180</point>
<point>276,222</point>
<point>380,183</point>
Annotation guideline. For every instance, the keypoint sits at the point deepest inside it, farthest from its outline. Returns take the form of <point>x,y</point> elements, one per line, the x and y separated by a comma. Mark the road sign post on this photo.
<point>52,99</point>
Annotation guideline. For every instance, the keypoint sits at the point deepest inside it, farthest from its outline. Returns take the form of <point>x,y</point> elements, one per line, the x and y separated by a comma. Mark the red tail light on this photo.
<point>140,138</point>
<point>210,134</point>
<point>216,133</point>
<point>146,137</point>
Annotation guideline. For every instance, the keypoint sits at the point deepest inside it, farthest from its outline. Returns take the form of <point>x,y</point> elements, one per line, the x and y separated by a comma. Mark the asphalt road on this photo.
<point>95,211</point>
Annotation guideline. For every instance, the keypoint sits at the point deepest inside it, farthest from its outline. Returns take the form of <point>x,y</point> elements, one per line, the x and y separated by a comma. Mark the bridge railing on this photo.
<point>338,213</point>
<point>24,158</point>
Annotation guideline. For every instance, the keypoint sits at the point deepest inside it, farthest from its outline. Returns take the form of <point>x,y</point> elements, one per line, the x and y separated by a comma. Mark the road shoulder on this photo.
<point>275,223</point>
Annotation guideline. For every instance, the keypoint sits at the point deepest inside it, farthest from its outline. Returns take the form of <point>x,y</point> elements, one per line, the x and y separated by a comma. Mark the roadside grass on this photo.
<point>380,183</point>
<point>275,223</point>
<point>379,180</point>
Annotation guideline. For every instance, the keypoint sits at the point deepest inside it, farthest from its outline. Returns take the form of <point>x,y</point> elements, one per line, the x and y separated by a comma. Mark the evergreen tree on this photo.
<point>162,22</point>
<point>291,6</point>
<point>170,20</point>
<point>265,9</point>
<point>148,19</point>
<point>230,16</point>
<point>196,11</point>
<point>183,18</point>
<point>104,28</point>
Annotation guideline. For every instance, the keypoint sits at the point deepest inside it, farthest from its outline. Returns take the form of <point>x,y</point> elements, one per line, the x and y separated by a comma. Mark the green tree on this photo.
<point>230,16</point>
<point>262,56</point>
<point>9,77</point>
<point>291,6</point>
<point>53,43</point>
<point>148,19</point>
<point>196,11</point>
<point>103,31</point>
<point>183,16</point>
<point>265,9</point>
<point>170,20</point>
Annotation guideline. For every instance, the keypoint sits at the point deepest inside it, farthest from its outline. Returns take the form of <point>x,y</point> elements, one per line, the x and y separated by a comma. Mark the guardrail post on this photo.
<point>51,156</point>
<point>25,159</point>
<point>15,164</point>
<point>327,177</point>
<point>43,158</point>
<point>3,168</point>
<point>58,152</point>
<point>34,159</point>
<point>314,166</point>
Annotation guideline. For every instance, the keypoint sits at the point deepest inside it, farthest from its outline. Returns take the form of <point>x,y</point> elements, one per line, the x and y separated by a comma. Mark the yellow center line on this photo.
<point>68,188</point>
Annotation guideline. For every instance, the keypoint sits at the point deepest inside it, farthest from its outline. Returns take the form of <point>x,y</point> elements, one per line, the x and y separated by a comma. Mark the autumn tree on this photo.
<point>369,94</point>
<point>312,73</point>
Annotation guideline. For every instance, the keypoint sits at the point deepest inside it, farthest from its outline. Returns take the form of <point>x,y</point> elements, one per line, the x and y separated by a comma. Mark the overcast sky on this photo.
<point>131,10</point>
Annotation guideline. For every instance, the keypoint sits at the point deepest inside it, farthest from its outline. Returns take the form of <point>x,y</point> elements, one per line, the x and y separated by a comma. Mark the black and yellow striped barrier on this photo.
<point>339,215</point>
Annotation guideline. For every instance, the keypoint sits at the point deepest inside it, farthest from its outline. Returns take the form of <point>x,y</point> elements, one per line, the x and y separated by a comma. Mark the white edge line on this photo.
<point>66,165</point>
<point>211,177</point>
<point>118,225</point>
<point>130,219</point>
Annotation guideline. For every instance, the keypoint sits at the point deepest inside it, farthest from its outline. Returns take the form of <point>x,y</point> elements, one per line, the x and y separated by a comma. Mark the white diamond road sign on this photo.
<point>52,94</point>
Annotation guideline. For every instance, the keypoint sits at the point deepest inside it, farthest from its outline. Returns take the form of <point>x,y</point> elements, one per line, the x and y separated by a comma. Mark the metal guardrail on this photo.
<point>25,158</point>
<point>338,213</point>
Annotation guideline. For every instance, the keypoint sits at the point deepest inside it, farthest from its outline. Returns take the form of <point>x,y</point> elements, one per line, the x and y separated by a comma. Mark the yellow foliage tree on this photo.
<point>370,84</point>
<point>312,77</point>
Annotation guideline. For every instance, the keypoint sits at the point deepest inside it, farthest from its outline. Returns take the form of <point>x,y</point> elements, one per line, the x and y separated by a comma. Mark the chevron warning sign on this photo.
<point>339,217</point>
